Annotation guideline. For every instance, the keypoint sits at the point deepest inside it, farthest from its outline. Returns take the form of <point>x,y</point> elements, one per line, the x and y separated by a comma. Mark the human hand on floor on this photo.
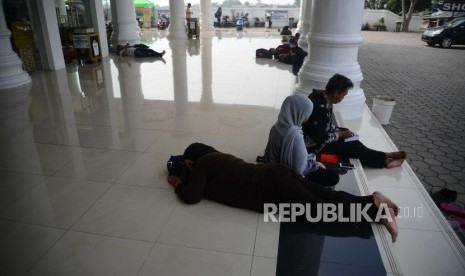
<point>174,180</point>
<point>320,165</point>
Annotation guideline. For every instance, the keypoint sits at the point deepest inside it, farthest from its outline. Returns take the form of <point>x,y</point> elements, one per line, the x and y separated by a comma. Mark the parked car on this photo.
<point>446,35</point>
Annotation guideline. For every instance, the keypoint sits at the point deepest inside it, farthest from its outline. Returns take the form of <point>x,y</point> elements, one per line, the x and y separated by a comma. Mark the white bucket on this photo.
<point>382,108</point>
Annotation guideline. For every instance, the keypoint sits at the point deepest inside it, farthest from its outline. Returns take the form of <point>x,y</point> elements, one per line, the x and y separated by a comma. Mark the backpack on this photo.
<point>262,53</point>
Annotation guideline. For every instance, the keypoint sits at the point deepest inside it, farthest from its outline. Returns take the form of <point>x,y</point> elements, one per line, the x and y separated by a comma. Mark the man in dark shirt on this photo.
<point>322,136</point>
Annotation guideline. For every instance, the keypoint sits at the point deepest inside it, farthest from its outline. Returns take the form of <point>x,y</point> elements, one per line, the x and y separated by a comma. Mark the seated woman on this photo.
<point>286,142</point>
<point>321,136</point>
<point>231,181</point>
<point>138,50</point>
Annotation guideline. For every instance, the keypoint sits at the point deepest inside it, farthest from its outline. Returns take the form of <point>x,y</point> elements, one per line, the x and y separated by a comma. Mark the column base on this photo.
<point>353,104</point>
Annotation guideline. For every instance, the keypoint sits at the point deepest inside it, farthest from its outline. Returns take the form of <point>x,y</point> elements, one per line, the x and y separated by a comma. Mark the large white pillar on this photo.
<point>305,23</point>
<point>301,16</point>
<point>177,28</point>
<point>333,49</point>
<point>124,18</point>
<point>98,22</point>
<point>11,70</point>
<point>51,50</point>
<point>206,18</point>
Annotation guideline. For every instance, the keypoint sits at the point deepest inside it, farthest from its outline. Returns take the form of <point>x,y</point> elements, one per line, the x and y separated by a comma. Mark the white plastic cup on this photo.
<point>382,108</point>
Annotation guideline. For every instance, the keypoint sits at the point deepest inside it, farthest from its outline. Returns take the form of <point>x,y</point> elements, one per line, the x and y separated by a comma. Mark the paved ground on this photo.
<point>429,87</point>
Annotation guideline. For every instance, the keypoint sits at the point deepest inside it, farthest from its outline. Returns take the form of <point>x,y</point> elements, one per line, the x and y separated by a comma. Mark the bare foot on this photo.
<point>393,163</point>
<point>379,198</point>
<point>396,154</point>
<point>391,225</point>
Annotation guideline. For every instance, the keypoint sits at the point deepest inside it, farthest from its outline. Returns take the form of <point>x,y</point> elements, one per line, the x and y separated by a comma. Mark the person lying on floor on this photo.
<point>321,136</point>
<point>286,142</point>
<point>138,50</point>
<point>229,180</point>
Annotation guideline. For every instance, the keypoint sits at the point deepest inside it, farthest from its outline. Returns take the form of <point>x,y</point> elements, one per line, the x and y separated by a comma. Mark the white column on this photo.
<point>127,29</point>
<point>305,26</point>
<point>177,28</point>
<point>11,70</point>
<point>206,18</point>
<point>207,70</point>
<point>98,22</point>
<point>301,16</point>
<point>53,59</point>
<point>334,49</point>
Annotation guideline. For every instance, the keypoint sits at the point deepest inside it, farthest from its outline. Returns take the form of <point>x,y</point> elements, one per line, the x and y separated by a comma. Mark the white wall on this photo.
<point>390,18</point>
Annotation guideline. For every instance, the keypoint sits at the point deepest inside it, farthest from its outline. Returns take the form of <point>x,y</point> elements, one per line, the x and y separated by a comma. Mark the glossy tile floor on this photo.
<point>83,167</point>
<point>83,162</point>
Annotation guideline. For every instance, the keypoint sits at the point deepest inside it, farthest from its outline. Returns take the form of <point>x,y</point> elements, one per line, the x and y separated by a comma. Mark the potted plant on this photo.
<point>379,25</point>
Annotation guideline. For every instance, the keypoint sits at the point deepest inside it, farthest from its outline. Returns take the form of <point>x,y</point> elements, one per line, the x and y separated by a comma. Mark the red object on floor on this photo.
<point>329,158</point>
<point>453,209</point>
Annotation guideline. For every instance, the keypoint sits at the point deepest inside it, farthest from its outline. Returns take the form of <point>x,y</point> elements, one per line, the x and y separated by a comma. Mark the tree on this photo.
<point>400,6</point>
<point>406,19</point>
<point>297,3</point>
<point>396,6</point>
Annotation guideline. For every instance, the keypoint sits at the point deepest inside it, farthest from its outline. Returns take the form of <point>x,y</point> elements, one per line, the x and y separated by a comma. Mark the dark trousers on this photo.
<point>356,149</point>
<point>146,52</point>
<point>289,188</point>
<point>326,177</point>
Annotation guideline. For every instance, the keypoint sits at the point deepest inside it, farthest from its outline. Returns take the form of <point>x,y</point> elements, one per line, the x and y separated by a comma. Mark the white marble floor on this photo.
<point>83,162</point>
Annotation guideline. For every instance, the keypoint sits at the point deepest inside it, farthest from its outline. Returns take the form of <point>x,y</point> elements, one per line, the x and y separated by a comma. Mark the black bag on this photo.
<point>142,46</point>
<point>262,53</point>
<point>175,165</point>
<point>299,58</point>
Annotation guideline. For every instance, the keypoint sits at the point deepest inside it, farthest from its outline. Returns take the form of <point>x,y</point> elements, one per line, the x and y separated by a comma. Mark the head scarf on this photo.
<point>294,111</point>
<point>196,150</point>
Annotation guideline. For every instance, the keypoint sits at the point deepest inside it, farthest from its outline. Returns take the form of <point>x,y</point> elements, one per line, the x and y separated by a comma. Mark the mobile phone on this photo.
<point>346,165</point>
